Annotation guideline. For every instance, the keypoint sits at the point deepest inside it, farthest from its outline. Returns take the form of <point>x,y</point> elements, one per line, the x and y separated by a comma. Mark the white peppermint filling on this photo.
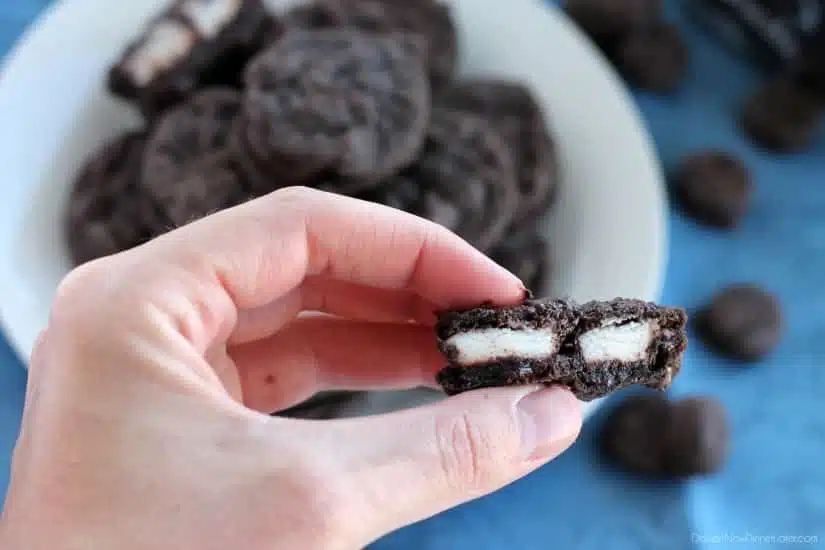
<point>210,16</point>
<point>491,344</point>
<point>627,342</point>
<point>168,43</point>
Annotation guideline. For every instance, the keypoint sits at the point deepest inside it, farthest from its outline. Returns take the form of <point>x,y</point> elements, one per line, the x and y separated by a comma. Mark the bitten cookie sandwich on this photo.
<point>594,348</point>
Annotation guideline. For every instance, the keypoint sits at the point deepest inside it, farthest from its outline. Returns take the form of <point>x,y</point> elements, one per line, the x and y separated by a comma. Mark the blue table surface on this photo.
<point>773,488</point>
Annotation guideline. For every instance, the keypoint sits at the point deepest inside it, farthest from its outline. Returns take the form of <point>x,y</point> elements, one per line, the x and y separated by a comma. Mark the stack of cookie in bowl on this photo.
<point>356,97</point>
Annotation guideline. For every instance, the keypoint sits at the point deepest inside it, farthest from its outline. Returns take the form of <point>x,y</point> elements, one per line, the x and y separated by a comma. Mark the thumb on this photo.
<point>404,467</point>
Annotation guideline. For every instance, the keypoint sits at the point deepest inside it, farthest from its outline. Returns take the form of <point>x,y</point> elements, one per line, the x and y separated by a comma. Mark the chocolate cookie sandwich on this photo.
<point>192,44</point>
<point>354,103</point>
<point>594,348</point>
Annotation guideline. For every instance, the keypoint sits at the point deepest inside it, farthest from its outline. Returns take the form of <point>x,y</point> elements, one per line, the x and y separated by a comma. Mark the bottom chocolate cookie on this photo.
<point>594,349</point>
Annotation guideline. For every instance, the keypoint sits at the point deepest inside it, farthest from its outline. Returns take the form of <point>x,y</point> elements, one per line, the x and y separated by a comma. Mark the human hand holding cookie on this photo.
<point>145,422</point>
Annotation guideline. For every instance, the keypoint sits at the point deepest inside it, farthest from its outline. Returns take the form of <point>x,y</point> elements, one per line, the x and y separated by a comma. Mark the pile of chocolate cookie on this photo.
<point>357,97</point>
<point>649,433</point>
<point>781,115</point>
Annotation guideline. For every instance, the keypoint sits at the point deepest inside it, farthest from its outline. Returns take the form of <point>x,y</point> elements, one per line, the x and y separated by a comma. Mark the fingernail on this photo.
<point>550,419</point>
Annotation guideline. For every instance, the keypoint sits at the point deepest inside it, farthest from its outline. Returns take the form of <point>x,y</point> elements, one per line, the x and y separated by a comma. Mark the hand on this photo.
<point>144,424</point>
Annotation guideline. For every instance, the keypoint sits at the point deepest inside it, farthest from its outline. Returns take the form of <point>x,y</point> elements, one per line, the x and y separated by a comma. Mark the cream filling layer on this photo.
<point>492,344</point>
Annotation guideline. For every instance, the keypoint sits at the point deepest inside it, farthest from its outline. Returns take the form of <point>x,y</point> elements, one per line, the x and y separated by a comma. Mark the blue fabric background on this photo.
<point>774,484</point>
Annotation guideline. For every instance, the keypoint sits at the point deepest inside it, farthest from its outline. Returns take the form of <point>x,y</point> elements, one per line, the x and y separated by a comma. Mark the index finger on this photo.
<point>261,250</point>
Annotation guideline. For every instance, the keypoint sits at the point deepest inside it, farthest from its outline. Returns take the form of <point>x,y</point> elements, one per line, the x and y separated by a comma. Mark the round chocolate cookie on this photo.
<point>781,116</point>
<point>713,187</point>
<point>189,167</point>
<point>609,21</point>
<point>463,179</point>
<point>654,58</point>
<point>335,99</point>
<point>516,115</point>
<point>742,321</point>
<point>429,19</point>
<point>634,434</point>
<point>698,437</point>
<point>107,212</point>
<point>525,254</point>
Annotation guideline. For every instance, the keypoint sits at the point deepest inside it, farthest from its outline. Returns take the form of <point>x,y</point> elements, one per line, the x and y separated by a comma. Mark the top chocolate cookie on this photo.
<point>338,99</point>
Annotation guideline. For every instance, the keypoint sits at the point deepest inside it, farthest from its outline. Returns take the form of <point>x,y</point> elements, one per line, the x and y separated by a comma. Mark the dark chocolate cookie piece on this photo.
<point>189,167</point>
<point>654,58</point>
<point>714,187</point>
<point>742,321</point>
<point>781,116</point>
<point>594,349</point>
<point>338,99</point>
<point>698,437</point>
<point>516,115</point>
<point>430,19</point>
<point>608,21</point>
<point>192,44</point>
<point>463,179</point>
<point>634,434</point>
<point>525,253</point>
<point>107,213</point>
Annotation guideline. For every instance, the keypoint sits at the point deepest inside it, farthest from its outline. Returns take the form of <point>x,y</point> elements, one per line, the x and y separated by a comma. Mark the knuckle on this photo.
<point>466,453</point>
<point>296,194</point>
<point>78,286</point>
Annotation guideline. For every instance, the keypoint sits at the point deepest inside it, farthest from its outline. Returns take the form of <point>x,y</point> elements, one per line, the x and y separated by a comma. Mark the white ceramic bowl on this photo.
<point>607,231</point>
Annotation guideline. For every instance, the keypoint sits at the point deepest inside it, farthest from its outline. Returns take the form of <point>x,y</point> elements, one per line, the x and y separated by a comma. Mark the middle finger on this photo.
<point>333,297</point>
<point>323,353</point>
